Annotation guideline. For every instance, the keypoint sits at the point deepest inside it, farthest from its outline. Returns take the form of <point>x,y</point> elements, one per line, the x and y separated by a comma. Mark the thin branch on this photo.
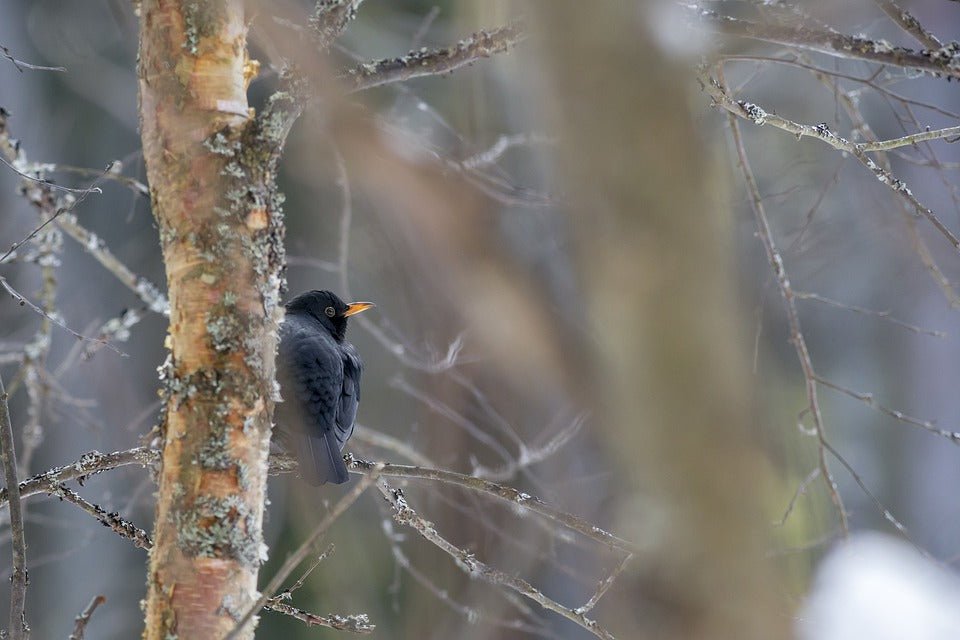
<point>288,592</point>
<point>886,513</point>
<point>431,62</point>
<point>883,315</point>
<point>313,263</point>
<point>502,145</point>
<point>93,463</point>
<point>374,438</point>
<point>305,548</point>
<point>802,62</point>
<point>908,23</point>
<point>112,520</point>
<point>454,417</point>
<point>912,139</point>
<point>851,106</point>
<point>80,626</point>
<point>801,490</point>
<point>21,65</point>
<point>793,318</point>
<point>22,301</point>
<point>941,61</point>
<point>424,27</point>
<point>46,183</point>
<point>604,585</point>
<point>17,627</point>
<point>759,116</point>
<point>114,174</point>
<point>89,464</point>
<point>507,494</point>
<point>870,401</point>
<point>466,561</point>
<point>358,623</point>
<point>470,614</point>
<point>47,203</point>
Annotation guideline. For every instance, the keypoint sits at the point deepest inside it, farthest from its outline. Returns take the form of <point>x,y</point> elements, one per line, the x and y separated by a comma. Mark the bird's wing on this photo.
<point>311,383</point>
<point>350,396</point>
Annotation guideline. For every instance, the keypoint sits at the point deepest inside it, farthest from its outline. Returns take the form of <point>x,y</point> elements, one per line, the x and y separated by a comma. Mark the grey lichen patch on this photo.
<point>243,476</point>
<point>753,112</point>
<point>201,20</point>
<point>225,330</point>
<point>217,527</point>
<point>183,388</point>
<point>215,453</point>
<point>232,169</point>
<point>222,145</point>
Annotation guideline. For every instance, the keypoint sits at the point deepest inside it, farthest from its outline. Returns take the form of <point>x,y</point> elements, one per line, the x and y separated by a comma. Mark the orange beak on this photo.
<point>356,307</point>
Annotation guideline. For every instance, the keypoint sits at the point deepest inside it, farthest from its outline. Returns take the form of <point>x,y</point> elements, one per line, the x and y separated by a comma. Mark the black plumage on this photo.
<point>319,376</point>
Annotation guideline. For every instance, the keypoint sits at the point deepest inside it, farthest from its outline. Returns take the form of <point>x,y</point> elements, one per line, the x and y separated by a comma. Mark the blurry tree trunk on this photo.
<point>211,170</point>
<point>669,375</point>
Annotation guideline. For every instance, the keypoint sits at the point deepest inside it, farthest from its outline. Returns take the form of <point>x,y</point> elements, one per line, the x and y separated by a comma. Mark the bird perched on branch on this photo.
<point>319,376</point>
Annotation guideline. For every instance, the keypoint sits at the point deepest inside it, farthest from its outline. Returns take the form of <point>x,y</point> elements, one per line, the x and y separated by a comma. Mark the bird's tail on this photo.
<point>320,459</point>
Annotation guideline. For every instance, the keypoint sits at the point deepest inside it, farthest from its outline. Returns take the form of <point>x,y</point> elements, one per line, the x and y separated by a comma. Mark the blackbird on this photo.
<point>319,376</point>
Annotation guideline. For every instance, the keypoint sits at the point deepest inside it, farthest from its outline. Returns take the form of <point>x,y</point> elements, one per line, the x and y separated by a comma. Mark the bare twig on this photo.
<point>22,301</point>
<point>424,27</point>
<point>305,548</point>
<point>604,585</point>
<point>358,623</point>
<point>114,175</point>
<point>374,438</point>
<point>466,561</point>
<point>886,513</point>
<point>111,520</point>
<point>851,105</point>
<point>883,315</point>
<point>431,62</point>
<point>471,615</point>
<point>288,592</point>
<point>793,318</point>
<point>760,116</point>
<point>17,627</point>
<point>93,463</point>
<point>870,401</point>
<point>83,619</point>
<point>502,145</point>
<point>44,182</point>
<point>801,490</point>
<point>88,465</point>
<point>908,23</point>
<point>941,61</point>
<point>21,65</point>
<point>507,494</point>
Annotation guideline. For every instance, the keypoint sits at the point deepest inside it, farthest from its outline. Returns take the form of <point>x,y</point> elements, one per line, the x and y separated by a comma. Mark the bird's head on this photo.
<point>328,309</point>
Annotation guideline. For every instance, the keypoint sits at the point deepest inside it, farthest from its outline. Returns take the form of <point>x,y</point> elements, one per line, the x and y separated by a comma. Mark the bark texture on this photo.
<point>211,167</point>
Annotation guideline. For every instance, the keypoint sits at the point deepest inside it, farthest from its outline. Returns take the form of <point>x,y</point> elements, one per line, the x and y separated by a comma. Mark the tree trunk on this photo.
<point>669,377</point>
<point>211,168</point>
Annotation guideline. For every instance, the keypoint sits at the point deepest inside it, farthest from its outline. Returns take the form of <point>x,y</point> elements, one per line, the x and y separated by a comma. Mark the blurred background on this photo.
<point>435,392</point>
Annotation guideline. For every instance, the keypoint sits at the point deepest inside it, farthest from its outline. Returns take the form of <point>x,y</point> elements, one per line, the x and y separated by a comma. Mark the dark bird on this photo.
<point>319,376</point>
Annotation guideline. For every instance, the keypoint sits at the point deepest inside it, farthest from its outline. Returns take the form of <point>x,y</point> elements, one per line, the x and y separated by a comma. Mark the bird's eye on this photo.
<point>330,311</point>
